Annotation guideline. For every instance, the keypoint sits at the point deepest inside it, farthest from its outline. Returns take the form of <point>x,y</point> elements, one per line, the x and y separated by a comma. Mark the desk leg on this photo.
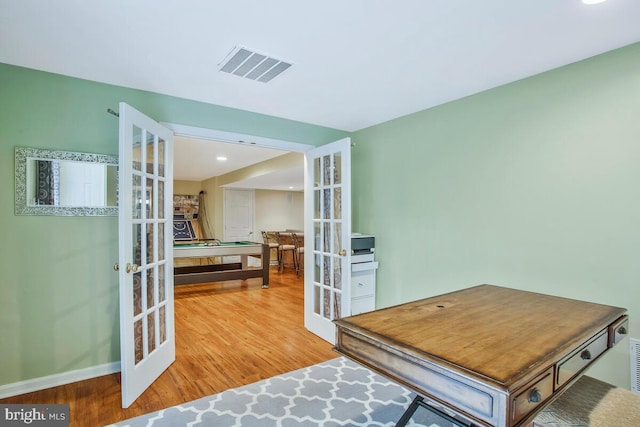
<point>418,401</point>
<point>409,412</point>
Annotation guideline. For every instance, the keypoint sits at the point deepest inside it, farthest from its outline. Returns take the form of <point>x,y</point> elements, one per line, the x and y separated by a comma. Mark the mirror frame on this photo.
<point>22,208</point>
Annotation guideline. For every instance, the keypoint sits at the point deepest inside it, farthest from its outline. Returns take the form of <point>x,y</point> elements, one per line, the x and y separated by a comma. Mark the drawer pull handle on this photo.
<point>622,330</point>
<point>535,396</point>
<point>585,355</point>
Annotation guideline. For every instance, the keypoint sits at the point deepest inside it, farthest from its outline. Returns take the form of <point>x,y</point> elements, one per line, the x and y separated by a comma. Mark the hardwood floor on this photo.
<point>227,334</point>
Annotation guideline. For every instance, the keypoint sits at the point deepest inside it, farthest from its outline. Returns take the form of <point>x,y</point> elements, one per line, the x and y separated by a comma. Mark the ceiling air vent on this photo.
<point>252,65</point>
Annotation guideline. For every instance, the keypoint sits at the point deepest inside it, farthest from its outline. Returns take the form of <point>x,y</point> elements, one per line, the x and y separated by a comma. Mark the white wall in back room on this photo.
<point>279,210</point>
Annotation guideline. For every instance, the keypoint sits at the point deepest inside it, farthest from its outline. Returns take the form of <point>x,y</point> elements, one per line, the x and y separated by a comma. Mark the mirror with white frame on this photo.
<point>65,183</point>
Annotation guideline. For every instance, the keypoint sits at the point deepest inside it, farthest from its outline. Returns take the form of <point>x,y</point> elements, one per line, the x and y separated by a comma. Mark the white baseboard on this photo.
<point>35,384</point>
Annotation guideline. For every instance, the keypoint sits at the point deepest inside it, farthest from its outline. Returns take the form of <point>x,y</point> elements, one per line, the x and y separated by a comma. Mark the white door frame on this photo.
<point>237,138</point>
<point>233,137</point>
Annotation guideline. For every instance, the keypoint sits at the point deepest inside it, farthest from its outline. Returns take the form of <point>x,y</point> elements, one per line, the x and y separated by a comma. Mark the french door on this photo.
<point>327,281</point>
<point>145,255</point>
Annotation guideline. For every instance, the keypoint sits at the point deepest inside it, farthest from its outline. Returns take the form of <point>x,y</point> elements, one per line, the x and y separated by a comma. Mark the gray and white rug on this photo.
<point>335,393</point>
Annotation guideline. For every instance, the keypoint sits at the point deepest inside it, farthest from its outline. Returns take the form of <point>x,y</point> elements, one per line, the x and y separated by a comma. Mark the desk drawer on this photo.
<point>618,330</point>
<point>363,283</point>
<point>582,358</point>
<point>533,395</point>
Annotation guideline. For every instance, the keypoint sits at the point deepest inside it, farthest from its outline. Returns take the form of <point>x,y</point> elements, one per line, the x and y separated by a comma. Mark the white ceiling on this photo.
<point>356,63</point>
<point>196,160</point>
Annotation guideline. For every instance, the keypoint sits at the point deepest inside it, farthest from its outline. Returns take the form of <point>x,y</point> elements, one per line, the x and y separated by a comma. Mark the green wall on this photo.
<point>58,292</point>
<point>533,185</point>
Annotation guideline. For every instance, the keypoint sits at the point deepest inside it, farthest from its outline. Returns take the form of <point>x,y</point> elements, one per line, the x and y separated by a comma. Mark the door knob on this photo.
<point>342,252</point>
<point>132,267</point>
<point>116,266</point>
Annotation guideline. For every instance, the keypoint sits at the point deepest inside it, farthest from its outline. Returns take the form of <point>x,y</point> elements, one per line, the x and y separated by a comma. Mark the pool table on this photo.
<point>225,271</point>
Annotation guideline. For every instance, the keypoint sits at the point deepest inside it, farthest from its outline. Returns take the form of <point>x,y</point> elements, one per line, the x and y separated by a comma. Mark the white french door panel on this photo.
<point>327,279</point>
<point>145,252</point>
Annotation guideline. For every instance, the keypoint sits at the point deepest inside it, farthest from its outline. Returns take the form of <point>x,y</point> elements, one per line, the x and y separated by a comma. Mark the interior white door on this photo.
<point>145,255</point>
<point>327,285</point>
<point>238,215</point>
<point>82,184</point>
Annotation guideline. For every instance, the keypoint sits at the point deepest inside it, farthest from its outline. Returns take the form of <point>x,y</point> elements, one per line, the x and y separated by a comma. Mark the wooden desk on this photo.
<point>494,356</point>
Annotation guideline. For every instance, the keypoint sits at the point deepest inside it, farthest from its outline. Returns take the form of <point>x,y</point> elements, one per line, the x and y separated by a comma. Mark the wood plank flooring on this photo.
<point>227,334</point>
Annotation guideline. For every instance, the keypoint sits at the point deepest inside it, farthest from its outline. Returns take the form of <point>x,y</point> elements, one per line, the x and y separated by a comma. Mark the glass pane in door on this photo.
<point>150,154</point>
<point>160,202</point>
<point>150,234</point>
<point>137,294</point>
<point>163,324</point>
<point>137,333</point>
<point>337,168</point>
<point>161,284</point>
<point>161,158</point>
<point>150,288</point>
<point>326,170</point>
<point>161,254</point>
<point>136,182</point>
<point>151,332</point>
<point>136,162</point>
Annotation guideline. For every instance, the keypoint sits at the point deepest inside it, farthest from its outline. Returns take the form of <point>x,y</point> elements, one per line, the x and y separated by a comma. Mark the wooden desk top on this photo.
<point>500,337</point>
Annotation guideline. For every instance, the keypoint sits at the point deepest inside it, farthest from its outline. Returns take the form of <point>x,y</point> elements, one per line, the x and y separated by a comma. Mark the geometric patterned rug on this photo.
<point>335,393</point>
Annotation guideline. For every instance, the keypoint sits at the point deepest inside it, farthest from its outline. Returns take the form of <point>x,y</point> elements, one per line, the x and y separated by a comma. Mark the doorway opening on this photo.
<point>273,169</point>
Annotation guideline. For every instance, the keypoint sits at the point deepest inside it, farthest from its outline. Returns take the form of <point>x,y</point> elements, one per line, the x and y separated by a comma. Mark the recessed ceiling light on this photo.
<point>221,158</point>
<point>593,1</point>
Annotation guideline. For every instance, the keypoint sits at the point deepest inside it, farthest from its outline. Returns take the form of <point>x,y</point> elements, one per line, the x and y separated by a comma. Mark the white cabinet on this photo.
<point>363,287</point>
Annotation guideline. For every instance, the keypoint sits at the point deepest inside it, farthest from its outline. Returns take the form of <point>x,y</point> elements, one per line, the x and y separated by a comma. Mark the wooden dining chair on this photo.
<point>298,242</point>
<point>270,239</point>
<point>285,246</point>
